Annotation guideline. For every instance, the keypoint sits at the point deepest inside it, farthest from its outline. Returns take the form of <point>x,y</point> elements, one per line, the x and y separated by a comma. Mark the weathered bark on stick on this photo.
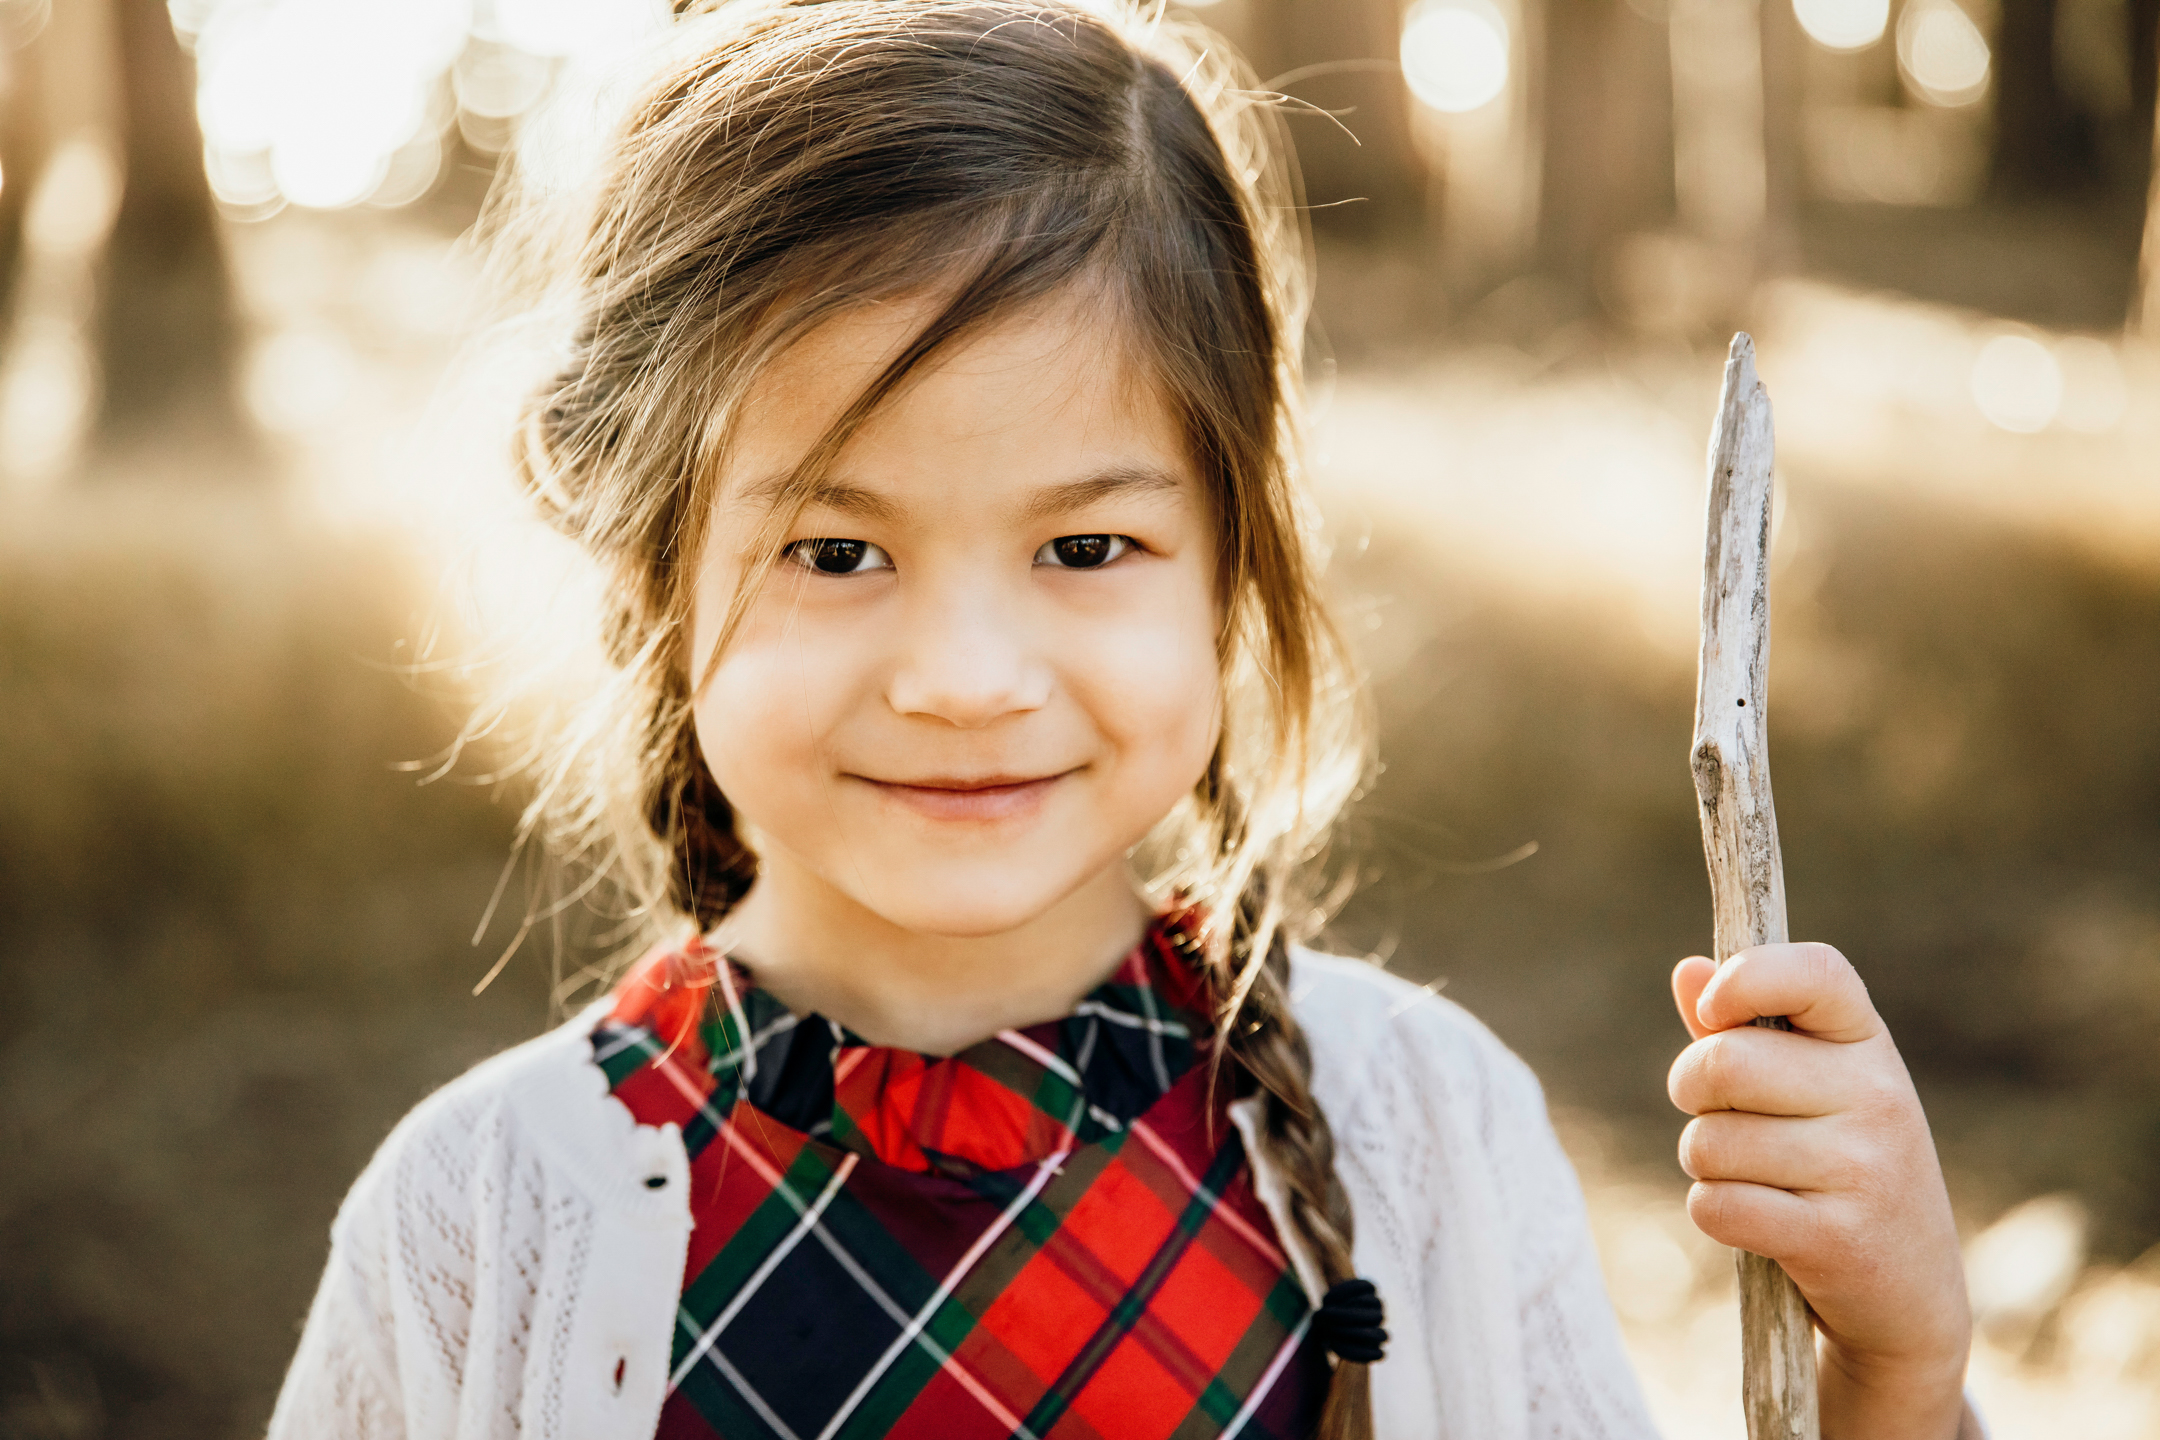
<point>1731,762</point>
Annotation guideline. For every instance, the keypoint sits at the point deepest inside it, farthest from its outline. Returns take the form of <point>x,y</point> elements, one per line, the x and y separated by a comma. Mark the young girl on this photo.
<point>930,410</point>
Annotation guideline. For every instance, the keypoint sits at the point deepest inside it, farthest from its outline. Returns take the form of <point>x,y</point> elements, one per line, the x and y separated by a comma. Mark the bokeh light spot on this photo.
<point>299,378</point>
<point>1843,24</point>
<point>1455,54</point>
<point>498,82</point>
<point>2017,383</point>
<point>2095,395</point>
<point>73,203</point>
<point>1942,53</point>
<point>411,172</point>
<point>545,27</point>
<point>47,386</point>
<point>325,169</point>
<point>2023,1264</point>
<point>329,90</point>
<point>1652,1274</point>
<point>241,179</point>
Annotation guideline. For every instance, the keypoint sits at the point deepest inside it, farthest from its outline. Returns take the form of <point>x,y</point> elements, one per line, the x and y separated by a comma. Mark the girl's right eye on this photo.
<point>837,557</point>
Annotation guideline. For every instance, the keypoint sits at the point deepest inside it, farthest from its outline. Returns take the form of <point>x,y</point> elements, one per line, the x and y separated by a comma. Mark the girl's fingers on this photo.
<point>1761,1218</point>
<point>1689,978</point>
<point>1811,985</point>
<point>1791,1154</point>
<point>1775,1072</point>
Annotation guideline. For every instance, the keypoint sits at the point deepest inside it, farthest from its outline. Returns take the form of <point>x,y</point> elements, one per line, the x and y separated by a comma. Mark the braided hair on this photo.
<point>1263,1041</point>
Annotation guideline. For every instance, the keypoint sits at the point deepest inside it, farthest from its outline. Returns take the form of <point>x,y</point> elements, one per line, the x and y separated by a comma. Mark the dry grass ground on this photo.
<point>234,945</point>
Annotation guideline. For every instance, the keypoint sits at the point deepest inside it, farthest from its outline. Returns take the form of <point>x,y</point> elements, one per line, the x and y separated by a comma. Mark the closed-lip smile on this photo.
<point>968,797</point>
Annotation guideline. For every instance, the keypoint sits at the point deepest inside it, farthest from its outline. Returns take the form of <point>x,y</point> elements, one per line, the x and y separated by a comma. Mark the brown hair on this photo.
<point>795,160</point>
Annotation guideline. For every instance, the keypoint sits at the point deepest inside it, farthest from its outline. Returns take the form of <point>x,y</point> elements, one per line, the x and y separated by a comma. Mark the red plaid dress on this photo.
<point>1046,1235</point>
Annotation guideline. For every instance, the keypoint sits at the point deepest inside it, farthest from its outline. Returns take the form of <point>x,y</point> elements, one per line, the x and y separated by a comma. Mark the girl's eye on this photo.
<point>837,557</point>
<point>1082,552</point>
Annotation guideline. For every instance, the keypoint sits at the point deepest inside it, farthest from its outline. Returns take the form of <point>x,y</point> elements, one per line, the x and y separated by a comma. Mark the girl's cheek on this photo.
<point>1150,675</point>
<point>775,699</point>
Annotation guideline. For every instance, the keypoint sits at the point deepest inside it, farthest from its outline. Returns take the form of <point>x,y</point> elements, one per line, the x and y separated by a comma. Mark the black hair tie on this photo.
<point>1349,1322</point>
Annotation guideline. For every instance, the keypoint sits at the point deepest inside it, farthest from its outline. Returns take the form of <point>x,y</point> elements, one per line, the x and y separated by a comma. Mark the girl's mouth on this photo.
<point>979,797</point>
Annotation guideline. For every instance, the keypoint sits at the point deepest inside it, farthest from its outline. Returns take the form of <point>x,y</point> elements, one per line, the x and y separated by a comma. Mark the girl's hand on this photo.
<point>1810,1147</point>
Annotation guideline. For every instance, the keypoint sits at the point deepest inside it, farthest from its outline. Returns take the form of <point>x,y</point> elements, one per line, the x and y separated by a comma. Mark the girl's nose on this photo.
<point>967,660</point>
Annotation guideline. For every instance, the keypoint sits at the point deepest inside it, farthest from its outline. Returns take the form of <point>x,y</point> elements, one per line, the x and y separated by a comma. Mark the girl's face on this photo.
<point>984,665</point>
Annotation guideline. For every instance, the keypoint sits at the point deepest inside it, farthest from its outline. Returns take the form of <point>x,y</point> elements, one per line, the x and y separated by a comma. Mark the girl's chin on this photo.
<point>964,917</point>
<point>965,902</point>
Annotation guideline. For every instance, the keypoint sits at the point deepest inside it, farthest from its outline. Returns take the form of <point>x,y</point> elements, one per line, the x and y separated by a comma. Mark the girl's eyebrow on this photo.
<point>1116,481</point>
<point>836,495</point>
<point>1046,503</point>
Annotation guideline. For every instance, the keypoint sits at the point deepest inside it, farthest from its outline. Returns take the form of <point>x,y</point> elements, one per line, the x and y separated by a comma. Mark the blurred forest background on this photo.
<point>234,926</point>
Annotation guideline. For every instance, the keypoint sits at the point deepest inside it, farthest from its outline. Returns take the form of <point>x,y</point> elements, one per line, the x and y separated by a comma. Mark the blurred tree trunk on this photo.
<point>1784,84</point>
<point>2141,129</point>
<point>2042,146</point>
<point>2143,24</point>
<point>1607,167</point>
<point>1372,186</point>
<point>2145,82</point>
<point>168,339</point>
<point>25,142</point>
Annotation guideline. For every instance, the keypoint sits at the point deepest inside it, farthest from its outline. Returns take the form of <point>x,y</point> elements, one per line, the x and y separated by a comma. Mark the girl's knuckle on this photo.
<point>1826,959</point>
<point>1723,1210</point>
<point>1708,1205</point>
<point>1690,1083</point>
<point>1724,1064</point>
<point>1823,970</point>
<point>1701,1154</point>
<point>1884,1103</point>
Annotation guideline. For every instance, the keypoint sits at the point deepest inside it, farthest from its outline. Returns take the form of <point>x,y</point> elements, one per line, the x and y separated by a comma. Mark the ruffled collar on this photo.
<point>1011,1100</point>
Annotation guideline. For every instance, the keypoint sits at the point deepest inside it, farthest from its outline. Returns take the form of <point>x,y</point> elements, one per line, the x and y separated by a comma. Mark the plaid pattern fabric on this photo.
<point>1049,1234</point>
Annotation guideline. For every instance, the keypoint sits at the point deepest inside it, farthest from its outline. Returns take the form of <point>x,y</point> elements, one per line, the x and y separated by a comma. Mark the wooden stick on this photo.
<point>1731,761</point>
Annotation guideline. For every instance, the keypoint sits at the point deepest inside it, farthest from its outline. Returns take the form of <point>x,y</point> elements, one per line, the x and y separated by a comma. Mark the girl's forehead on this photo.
<point>1045,387</point>
<point>1080,328</point>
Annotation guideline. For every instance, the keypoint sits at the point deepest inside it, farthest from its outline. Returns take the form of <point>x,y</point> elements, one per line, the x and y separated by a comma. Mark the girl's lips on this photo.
<point>990,797</point>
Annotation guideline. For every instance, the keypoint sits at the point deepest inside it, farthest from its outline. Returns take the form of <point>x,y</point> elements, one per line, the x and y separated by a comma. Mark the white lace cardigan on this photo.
<point>509,1263</point>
